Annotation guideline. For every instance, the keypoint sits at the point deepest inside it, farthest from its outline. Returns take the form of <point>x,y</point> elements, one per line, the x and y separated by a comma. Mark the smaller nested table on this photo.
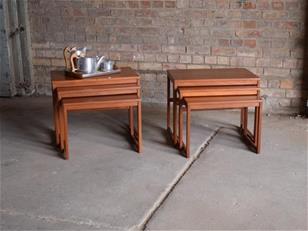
<point>199,86</point>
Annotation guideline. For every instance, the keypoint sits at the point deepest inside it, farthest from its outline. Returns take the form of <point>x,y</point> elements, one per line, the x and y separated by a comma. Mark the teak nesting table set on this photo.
<point>195,89</point>
<point>116,91</point>
<point>208,89</point>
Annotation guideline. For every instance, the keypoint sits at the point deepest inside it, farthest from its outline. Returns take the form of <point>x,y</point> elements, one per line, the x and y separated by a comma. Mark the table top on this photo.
<point>126,76</point>
<point>126,72</point>
<point>208,74</point>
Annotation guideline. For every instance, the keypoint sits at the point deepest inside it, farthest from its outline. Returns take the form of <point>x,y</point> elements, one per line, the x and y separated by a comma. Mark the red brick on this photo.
<point>224,42</point>
<point>249,24</point>
<point>249,5</point>
<point>210,60</point>
<point>293,63</point>
<point>195,3</point>
<point>287,25</point>
<point>145,4</point>
<point>133,4</point>
<point>157,4</point>
<point>198,59</point>
<point>236,42</point>
<point>251,43</point>
<point>221,60</point>
<point>273,83</point>
<point>170,4</point>
<point>222,4</point>
<point>185,59</point>
<point>263,4</point>
<point>277,5</point>
<point>223,51</point>
<point>168,66</point>
<point>293,93</point>
<point>274,15</point>
<point>286,84</point>
<point>150,47</point>
<point>173,49</point>
<point>150,66</point>
<point>247,52</point>
<point>248,33</point>
<point>243,62</point>
<point>279,72</point>
<point>292,4</point>
<point>174,58</point>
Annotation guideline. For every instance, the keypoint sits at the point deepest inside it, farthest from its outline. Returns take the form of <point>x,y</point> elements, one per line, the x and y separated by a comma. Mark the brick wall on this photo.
<point>265,36</point>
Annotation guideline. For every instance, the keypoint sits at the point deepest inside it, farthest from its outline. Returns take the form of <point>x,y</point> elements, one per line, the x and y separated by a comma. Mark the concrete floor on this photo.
<point>229,188</point>
<point>107,186</point>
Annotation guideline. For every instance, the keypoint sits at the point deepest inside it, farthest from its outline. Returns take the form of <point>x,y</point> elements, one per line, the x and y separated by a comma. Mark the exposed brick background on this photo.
<point>265,36</point>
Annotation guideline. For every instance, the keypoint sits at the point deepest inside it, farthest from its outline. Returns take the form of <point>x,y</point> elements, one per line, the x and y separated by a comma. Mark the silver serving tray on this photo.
<point>79,74</point>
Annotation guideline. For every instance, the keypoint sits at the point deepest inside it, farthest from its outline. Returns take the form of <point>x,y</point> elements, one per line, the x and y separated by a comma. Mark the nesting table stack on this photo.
<point>206,89</point>
<point>116,91</point>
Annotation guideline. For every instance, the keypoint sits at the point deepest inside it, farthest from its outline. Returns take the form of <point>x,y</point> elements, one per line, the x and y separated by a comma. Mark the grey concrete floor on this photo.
<point>229,188</point>
<point>108,186</point>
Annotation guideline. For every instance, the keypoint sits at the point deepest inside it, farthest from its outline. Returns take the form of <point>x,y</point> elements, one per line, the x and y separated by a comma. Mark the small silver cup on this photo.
<point>108,65</point>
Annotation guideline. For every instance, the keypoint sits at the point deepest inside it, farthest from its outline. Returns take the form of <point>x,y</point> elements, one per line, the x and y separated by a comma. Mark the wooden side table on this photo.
<point>124,84</point>
<point>218,82</point>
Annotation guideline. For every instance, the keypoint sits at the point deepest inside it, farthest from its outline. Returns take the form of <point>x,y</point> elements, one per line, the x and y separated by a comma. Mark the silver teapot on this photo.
<point>89,64</point>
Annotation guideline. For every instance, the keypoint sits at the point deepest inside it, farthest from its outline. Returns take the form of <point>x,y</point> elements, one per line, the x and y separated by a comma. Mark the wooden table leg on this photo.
<point>255,127</point>
<point>131,120</point>
<point>65,123</point>
<point>180,126</point>
<point>175,124</point>
<point>56,117</point>
<point>168,103</point>
<point>188,131</point>
<point>64,131</point>
<point>259,121</point>
<point>139,128</point>
<point>242,119</point>
<point>61,126</point>
<point>245,120</point>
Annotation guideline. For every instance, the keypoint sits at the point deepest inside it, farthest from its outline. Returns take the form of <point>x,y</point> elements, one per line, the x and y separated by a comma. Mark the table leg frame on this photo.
<point>56,118</point>
<point>253,139</point>
<point>62,128</point>
<point>168,103</point>
<point>172,132</point>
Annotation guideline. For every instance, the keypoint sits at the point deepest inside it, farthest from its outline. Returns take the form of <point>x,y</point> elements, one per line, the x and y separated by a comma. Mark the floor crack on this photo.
<point>148,216</point>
